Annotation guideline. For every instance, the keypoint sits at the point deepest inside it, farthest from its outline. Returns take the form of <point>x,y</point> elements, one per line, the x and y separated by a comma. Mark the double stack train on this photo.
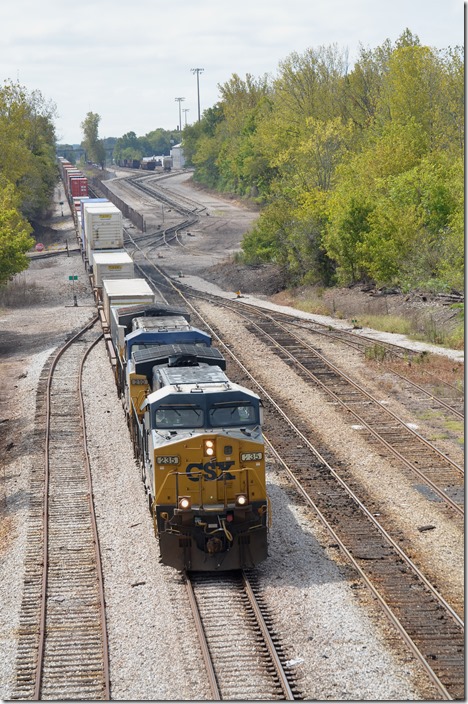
<point>197,435</point>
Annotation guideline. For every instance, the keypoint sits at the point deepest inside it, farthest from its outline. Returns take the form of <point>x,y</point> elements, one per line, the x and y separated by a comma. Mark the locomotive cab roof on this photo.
<point>190,378</point>
<point>163,322</point>
<point>190,384</point>
<point>146,357</point>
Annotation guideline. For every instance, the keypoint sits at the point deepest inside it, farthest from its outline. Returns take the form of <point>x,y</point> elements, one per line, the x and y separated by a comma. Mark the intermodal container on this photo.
<point>124,292</point>
<point>103,228</point>
<point>112,264</point>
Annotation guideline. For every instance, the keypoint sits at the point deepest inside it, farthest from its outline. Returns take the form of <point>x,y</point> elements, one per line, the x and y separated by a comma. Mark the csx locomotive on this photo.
<point>198,438</point>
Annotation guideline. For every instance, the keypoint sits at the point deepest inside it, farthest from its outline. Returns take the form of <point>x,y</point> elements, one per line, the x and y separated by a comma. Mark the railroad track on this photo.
<point>448,396</point>
<point>184,206</point>
<point>440,473</point>
<point>235,638</point>
<point>439,394</point>
<point>430,625</point>
<point>62,651</point>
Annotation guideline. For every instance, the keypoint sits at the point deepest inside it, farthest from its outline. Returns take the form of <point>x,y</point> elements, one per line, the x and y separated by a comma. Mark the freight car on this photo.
<point>129,163</point>
<point>75,183</point>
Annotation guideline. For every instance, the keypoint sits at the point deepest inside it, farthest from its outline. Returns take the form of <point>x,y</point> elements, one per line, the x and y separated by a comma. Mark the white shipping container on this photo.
<point>88,205</point>
<point>103,228</point>
<point>112,264</point>
<point>125,292</point>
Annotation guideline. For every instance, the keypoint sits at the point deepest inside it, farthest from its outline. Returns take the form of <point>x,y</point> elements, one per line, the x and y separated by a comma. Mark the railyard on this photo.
<point>336,639</point>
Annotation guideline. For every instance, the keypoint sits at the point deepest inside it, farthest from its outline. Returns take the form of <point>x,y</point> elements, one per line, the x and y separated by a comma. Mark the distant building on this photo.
<point>178,159</point>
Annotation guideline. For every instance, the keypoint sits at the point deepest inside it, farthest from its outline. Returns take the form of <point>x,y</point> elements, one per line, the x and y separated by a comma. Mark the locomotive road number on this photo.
<point>251,456</point>
<point>167,459</point>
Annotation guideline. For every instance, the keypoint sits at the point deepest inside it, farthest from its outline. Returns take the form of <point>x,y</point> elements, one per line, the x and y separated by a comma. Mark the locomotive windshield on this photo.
<point>232,415</point>
<point>179,417</point>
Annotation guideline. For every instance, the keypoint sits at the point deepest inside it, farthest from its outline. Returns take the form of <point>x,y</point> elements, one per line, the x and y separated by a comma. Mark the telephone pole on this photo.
<point>179,100</point>
<point>198,71</point>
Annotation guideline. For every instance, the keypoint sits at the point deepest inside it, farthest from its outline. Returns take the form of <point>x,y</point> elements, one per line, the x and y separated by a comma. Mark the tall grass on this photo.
<point>19,293</point>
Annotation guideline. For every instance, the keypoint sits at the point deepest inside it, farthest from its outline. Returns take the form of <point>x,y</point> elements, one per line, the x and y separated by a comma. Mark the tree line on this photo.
<point>28,171</point>
<point>158,142</point>
<point>359,173</point>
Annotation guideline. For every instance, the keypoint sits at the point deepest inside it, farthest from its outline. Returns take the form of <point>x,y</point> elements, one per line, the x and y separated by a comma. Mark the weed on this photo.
<point>428,415</point>
<point>456,426</point>
<point>312,306</point>
<point>376,352</point>
<point>19,293</point>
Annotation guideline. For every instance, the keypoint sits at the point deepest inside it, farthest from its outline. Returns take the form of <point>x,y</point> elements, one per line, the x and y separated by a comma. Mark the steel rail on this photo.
<point>387,610</point>
<point>438,400</point>
<point>383,604</point>
<point>375,434</point>
<point>352,341</point>
<point>202,640</point>
<point>288,694</point>
<point>265,393</point>
<point>97,545</point>
<point>45,511</point>
<point>343,375</point>
<point>345,486</point>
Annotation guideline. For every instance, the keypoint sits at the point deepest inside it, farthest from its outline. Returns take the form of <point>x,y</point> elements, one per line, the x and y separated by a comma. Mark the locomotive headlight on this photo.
<point>241,499</point>
<point>184,503</point>
<point>208,448</point>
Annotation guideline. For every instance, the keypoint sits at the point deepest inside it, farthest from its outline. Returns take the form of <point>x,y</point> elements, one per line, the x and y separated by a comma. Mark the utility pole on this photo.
<point>185,111</point>
<point>179,100</point>
<point>198,71</point>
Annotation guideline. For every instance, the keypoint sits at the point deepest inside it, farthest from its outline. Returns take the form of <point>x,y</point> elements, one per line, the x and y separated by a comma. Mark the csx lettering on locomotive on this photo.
<point>211,471</point>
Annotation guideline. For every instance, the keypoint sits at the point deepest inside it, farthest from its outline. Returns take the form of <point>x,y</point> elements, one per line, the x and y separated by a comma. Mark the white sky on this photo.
<point>129,60</point>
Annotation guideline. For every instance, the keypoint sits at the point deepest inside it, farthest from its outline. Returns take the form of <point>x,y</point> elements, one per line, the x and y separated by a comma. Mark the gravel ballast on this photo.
<point>339,643</point>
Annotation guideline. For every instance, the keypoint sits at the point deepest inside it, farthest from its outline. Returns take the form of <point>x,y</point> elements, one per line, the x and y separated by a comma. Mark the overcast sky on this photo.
<point>129,60</point>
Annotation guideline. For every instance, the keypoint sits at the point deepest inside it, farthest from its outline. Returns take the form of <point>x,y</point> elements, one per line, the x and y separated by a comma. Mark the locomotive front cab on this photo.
<point>208,483</point>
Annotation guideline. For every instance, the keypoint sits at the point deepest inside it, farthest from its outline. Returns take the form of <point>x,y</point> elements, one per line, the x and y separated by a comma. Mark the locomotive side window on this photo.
<point>168,417</point>
<point>232,415</point>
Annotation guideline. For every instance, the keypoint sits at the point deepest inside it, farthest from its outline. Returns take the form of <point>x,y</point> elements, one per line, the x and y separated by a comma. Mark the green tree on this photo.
<point>93,146</point>
<point>27,147</point>
<point>15,234</point>
<point>358,172</point>
<point>128,147</point>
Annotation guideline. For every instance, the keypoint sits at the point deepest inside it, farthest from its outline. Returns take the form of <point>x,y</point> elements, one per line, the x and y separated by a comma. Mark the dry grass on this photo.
<point>431,368</point>
<point>417,320</point>
<point>20,293</point>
